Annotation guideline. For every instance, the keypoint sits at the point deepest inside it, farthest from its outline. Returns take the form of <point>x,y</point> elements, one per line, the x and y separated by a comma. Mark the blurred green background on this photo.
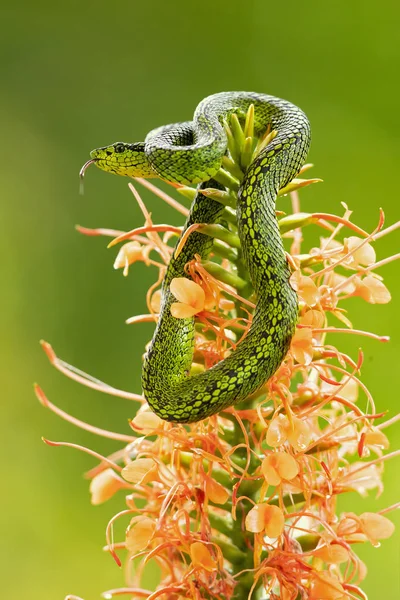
<point>78,75</point>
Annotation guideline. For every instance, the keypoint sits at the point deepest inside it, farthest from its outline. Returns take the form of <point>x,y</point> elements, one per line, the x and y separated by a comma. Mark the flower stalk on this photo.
<point>244,504</point>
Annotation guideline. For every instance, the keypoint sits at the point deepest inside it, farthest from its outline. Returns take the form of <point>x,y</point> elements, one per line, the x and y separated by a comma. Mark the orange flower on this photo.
<point>141,471</point>
<point>326,587</point>
<point>313,318</point>
<point>371,289</point>
<point>104,485</point>
<point>361,253</point>
<point>202,557</point>
<point>305,287</point>
<point>302,346</point>
<point>371,526</point>
<point>128,254</point>
<point>376,527</point>
<point>216,492</point>
<point>278,466</point>
<point>376,438</point>
<point>146,422</point>
<point>139,534</point>
<point>361,477</point>
<point>295,431</point>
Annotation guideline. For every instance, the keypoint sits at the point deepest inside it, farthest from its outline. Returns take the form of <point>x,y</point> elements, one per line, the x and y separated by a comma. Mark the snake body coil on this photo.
<point>192,153</point>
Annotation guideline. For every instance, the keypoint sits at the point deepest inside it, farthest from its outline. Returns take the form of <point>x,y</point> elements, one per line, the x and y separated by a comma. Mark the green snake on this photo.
<point>189,153</point>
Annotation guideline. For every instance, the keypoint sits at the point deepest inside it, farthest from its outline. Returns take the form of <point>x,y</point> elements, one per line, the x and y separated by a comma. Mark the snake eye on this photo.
<point>119,147</point>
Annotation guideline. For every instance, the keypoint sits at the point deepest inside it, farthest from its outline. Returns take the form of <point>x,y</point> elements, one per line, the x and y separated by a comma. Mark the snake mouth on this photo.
<point>86,165</point>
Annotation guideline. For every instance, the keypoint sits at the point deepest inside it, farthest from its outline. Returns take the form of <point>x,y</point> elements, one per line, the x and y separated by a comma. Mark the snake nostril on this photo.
<point>108,152</point>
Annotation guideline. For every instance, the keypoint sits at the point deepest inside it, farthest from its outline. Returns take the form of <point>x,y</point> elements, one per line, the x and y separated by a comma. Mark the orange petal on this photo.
<point>265,517</point>
<point>332,554</point>
<point>155,301</point>
<point>274,520</point>
<point>313,318</point>
<point>326,587</point>
<point>277,431</point>
<point>376,527</point>
<point>364,256</point>
<point>287,466</point>
<point>128,254</point>
<point>301,346</point>
<point>337,279</point>
<point>255,521</point>
<point>278,466</point>
<point>299,434</point>
<point>216,492</point>
<point>183,311</point>
<point>146,422</point>
<point>378,292</point>
<point>375,437</point>
<point>202,557</point>
<point>141,470</point>
<point>348,525</point>
<point>104,485</point>
<point>362,569</point>
<point>139,534</point>
<point>188,292</point>
<point>269,470</point>
<point>305,287</point>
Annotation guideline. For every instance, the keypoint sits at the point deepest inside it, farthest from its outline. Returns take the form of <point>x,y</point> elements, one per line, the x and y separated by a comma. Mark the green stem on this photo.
<point>220,233</point>
<point>227,180</point>
<point>308,541</point>
<point>232,167</point>
<point>225,276</point>
<point>225,251</point>
<point>230,552</point>
<point>221,196</point>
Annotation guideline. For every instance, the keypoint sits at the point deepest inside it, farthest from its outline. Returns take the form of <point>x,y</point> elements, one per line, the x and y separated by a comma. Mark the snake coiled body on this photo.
<point>192,153</point>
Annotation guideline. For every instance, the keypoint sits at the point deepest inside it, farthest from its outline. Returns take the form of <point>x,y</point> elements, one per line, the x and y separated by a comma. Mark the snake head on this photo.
<point>122,159</point>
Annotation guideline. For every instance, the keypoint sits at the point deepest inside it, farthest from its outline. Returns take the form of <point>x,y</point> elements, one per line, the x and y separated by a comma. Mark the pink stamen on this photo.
<point>85,379</point>
<point>141,319</point>
<point>81,424</point>
<point>345,222</point>
<point>128,591</point>
<point>381,459</point>
<point>100,457</point>
<point>387,230</point>
<point>380,338</point>
<point>345,257</point>
<point>395,506</point>
<point>109,530</point>
<point>389,422</point>
<point>145,229</point>
<point>153,236</point>
<point>384,261</point>
<point>171,201</point>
